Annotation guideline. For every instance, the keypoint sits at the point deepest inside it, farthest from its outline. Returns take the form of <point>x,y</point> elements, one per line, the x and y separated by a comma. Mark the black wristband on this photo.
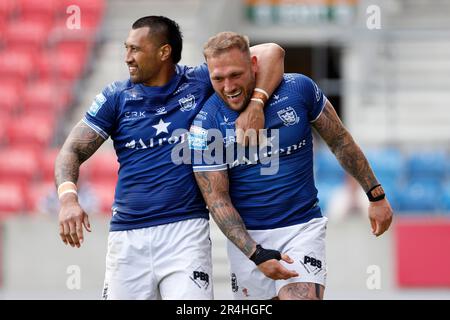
<point>379,194</point>
<point>262,255</point>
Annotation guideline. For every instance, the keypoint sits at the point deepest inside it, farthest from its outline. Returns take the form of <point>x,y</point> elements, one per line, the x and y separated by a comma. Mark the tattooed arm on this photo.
<point>81,143</point>
<point>352,159</point>
<point>214,187</point>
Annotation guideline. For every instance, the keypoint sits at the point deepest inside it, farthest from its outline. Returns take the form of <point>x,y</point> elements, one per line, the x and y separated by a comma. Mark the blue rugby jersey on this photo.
<point>284,195</point>
<point>141,120</point>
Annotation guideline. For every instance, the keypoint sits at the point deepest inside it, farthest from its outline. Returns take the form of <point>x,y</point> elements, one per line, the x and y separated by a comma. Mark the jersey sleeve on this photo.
<point>102,113</point>
<point>200,73</point>
<point>206,140</point>
<point>313,96</point>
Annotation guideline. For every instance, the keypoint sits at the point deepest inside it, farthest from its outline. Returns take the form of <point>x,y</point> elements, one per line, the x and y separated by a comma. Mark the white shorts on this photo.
<point>304,243</point>
<point>170,261</point>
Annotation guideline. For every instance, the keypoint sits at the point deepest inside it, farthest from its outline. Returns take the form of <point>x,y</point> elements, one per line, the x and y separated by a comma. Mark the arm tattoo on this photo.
<point>81,143</point>
<point>341,143</point>
<point>214,187</point>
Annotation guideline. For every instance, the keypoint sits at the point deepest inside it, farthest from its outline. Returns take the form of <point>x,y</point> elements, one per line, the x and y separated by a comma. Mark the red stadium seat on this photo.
<point>11,199</point>
<point>37,7</point>
<point>26,34</point>
<point>7,7</point>
<point>44,67</point>
<point>61,67</point>
<point>103,168</point>
<point>2,27</point>
<point>70,65</point>
<point>80,48</point>
<point>47,165</point>
<point>4,118</point>
<point>31,132</point>
<point>42,97</point>
<point>18,165</point>
<point>47,71</point>
<point>10,101</point>
<point>15,84</point>
<point>15,65</point>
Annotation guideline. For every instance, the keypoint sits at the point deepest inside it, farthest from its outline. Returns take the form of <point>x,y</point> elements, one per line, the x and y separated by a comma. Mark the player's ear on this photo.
<point>164,52</point>
<point>254,62</point>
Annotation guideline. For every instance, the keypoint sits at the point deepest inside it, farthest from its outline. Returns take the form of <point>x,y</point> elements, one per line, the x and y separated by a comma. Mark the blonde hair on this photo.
<point>225,41</point>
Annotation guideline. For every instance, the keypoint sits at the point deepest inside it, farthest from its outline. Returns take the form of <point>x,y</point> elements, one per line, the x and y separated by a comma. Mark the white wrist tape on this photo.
<point>67,187</point>
<point>263,92</point>
<point>258,100</point>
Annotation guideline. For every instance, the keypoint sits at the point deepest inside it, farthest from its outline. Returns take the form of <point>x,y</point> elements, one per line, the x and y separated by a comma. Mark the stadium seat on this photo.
<point>26,34</point>
<point>420,198</point>
<point>11,199</point>
<point>47,165</point>
<point>32,132</point>
<point>2,28</point>
<point>61,67</point>
<point>103,168</point>
<point>70,65</point>
<point>44,66</point>
<point>15,65</point>
<point>10,101</point>
<point>42,97</point>
<point>7,7</point>
<point>445,201</point>
<point>15,84</point>
<point>387,164</point>
<point>49,74</point>
<point>327,168</point>
<point>46,8</point>
<point>18,165</point>
<point>78,48</point>
<point>4,117</point>
<point>427,166</point>
<point>40,20</point>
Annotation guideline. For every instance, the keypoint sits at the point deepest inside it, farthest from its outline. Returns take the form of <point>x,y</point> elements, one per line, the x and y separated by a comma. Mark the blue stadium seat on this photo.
<point>327,168</point>
<point>387,164</point>
<point>420,198</point>
<point>445,200</point>
<point>427,167</point>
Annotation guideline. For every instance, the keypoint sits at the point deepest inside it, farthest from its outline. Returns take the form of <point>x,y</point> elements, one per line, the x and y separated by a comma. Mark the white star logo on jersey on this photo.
<point>161,127</point>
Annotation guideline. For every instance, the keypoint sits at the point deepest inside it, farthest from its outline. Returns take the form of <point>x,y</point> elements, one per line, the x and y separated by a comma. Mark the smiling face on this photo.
<point>143,56</point>
<point>232,74</point>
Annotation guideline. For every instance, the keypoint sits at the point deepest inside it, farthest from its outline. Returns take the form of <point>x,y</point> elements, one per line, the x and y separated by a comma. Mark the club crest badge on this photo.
<point>288,116</point>
<point>187,103</point>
